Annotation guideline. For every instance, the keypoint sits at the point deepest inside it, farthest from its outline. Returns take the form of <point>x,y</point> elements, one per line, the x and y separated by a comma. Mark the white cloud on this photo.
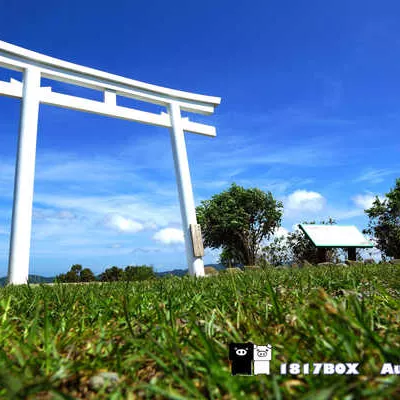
<point>281,231</point>
<point>169,236</point>
<point>146,250</point>
<point>295,228</point>
<point>123,224</point>
<point>303,200</point>
<point>365,201</point>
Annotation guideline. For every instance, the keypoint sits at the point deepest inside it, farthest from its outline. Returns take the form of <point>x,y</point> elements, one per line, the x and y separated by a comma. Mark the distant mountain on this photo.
<point>174,272</point>
<point>182,272</point>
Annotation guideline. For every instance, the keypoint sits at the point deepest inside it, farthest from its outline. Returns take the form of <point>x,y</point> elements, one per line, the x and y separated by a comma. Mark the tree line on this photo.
<point>239,221</point>
<point>131,273</point>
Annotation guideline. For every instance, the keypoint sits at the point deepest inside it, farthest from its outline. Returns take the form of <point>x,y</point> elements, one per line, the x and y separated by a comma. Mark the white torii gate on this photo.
<point>35,66</point>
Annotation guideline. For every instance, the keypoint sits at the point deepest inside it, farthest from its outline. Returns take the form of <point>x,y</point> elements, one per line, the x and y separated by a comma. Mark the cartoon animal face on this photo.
<point>241,351</point>
<point>262,352</point>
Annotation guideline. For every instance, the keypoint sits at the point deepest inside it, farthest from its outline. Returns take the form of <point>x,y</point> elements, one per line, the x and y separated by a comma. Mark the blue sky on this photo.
<point>310,111</point>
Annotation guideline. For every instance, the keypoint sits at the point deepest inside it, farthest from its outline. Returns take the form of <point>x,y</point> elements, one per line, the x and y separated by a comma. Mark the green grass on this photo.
<point>169,338</point>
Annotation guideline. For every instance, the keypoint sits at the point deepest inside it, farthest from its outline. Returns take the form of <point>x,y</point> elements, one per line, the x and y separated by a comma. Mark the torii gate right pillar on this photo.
<point>186,200</point>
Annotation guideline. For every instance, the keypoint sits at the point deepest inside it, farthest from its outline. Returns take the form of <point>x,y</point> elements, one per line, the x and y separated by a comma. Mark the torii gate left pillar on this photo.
<point>21,225</point>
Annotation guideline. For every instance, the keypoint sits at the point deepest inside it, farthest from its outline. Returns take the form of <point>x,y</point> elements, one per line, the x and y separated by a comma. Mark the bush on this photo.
<point>138,273</point>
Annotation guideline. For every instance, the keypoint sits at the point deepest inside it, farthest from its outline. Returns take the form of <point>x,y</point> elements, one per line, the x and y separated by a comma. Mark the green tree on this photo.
<point>87,275</point>
<point>384,222</point>
<point>138,273</point>
<point>76,274</point>
<point>112,274</point>
<point>238,219</point>
<point>278,252</point>
<point>77,268</point>
<point>229,258</point>
<point>61,278</point>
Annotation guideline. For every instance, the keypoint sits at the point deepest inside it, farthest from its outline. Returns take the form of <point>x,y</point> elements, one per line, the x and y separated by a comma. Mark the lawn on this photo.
<point>168,338</point>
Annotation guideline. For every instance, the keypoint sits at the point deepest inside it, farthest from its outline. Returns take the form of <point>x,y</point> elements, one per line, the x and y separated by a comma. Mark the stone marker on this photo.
<point>210,271</point>
<point>103,380</point>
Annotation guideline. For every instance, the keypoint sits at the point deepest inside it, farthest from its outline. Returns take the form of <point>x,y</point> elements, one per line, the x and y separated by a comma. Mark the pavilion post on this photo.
<point>186,200</point>
<point>322,254</point>
<point>351,252</point>
<point>21,225</point>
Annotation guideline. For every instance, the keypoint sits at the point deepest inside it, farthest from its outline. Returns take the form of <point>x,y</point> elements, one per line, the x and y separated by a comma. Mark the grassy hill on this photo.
<point>168,338</point>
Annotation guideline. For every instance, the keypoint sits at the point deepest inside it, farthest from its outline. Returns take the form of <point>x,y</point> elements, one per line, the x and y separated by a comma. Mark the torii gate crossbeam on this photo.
<point>35,66</point>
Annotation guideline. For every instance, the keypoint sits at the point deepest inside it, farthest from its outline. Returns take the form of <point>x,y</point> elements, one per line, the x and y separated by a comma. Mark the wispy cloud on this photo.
<point>45,214</point>
<point>376,175</point>
<point>131,206</point>
<point>146,250</point>
<point>316,153</point>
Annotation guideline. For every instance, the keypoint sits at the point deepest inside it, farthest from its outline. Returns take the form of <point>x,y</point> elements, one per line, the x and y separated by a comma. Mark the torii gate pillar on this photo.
<point>20,242</point>
<point>186,200</point>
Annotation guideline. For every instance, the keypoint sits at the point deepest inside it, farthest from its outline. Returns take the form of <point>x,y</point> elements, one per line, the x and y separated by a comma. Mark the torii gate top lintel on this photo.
<point>20,59</point>
<point>35,66</point>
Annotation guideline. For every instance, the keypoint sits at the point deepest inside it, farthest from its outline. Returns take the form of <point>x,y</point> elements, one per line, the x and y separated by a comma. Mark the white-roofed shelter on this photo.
<point>335,236</point>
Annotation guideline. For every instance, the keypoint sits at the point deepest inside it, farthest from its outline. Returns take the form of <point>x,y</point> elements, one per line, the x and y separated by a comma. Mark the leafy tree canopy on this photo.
<point>238,219</point>
<point>112,274</point>
<point>139,273</point>
<point>384,222</point>
<point>87,275</point>
<point>76,274</point>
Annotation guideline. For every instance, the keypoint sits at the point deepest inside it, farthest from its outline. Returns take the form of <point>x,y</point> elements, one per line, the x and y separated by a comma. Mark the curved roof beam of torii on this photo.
<point>18,58</point>
<point>54,68</point>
